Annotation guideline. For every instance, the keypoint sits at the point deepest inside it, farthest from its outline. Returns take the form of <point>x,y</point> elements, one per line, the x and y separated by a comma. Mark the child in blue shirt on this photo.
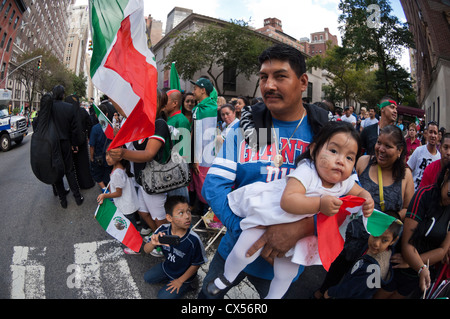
<point>371,271</point>
<point>181,261</point>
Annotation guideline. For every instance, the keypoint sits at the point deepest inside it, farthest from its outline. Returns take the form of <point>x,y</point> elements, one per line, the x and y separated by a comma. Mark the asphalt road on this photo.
<point>54,253</point>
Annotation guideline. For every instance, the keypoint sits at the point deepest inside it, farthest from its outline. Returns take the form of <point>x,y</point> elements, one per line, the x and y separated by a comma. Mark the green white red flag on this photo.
<point>122,66</point>
<point>104,122</point>
<point>114,222</point>
<point>331,230</point>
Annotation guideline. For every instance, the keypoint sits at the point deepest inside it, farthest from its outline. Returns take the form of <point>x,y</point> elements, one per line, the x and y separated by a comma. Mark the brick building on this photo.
<point>11,15</point>
<point>429,22</point>
<point>273,28</point>
<point>319,41</point>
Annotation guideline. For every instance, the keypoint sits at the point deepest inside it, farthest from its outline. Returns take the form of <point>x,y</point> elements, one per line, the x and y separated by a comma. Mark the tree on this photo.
<point>232,46</point>
<point>372,35</point>
<point>51,73</point>
<point>348,83</point>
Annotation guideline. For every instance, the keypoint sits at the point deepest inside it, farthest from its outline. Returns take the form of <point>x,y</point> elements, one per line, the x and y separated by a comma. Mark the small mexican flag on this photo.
<point>104,122</point>
<point>329,235</point>
<point>118,226</point>
<point>378,222</point>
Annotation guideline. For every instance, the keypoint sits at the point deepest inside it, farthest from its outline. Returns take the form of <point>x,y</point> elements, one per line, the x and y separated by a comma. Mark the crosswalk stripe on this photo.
<point>27,273</point>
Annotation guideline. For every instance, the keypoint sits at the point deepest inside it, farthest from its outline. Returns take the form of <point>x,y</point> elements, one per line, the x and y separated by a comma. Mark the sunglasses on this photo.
<point>433,123</point>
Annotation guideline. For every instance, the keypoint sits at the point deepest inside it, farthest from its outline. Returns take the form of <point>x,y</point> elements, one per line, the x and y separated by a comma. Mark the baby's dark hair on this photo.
<point>173,201</point>
<point>323,136</point>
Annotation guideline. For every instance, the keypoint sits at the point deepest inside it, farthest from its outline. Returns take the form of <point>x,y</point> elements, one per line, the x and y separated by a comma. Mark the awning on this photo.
<point>410,111</point>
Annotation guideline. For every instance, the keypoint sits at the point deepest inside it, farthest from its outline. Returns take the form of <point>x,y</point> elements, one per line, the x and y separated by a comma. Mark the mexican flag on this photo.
<point>174,79</point>
<point>104,122</point>
<point>122,66</point>
<point>117,225</point>
<point>331,232</point>
<point>205,124</point>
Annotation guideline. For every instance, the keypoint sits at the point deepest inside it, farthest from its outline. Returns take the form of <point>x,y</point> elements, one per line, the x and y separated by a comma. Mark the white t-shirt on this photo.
<point>368,121</point>
<point>419,160</point>
<point>349,119</point>
<point>128,202</point>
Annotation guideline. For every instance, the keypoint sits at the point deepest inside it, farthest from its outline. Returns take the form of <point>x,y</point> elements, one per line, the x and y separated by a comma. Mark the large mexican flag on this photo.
<point>122,65</point>
<point>114,222</point>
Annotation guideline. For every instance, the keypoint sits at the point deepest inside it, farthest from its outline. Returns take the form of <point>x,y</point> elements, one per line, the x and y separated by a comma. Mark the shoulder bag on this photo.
<point>159,178</point>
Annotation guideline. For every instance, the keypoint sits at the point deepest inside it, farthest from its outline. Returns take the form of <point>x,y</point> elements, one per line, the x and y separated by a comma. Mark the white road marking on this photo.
<point>27,273</point>
<point>100,262</point>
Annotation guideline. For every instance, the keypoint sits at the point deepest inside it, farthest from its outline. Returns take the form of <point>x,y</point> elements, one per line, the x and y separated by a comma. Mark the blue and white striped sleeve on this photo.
<point>219,183</point>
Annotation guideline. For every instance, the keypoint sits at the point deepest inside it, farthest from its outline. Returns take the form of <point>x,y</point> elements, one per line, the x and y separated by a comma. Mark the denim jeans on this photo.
<point>157,275</point>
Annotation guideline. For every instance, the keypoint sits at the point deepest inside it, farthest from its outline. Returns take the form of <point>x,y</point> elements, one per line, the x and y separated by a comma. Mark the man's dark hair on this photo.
<point>284,52</point>
<point>173,201</point>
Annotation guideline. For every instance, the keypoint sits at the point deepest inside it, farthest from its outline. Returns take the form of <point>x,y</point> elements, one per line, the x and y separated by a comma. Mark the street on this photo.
<point>55,253</point>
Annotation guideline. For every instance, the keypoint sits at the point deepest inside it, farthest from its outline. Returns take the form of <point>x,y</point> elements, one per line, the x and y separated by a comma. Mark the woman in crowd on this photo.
<point>228,116</point>
<point>425,240</point>
<point>412,141</point>
<point>188,105</point>
<point>241,102</point>
<point>158,148</point>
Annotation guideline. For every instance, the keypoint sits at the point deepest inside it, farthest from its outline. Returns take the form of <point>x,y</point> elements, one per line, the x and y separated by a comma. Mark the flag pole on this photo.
<point>98,205</point>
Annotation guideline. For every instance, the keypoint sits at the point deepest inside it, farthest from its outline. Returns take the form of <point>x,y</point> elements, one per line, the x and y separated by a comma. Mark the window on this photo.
<point>2,43</point>
<point>12,16</point>
<point>7,10</point>
<point>2,5</point>
<point>3,70</point>
<point>8,46</point>
<point>229,79</point>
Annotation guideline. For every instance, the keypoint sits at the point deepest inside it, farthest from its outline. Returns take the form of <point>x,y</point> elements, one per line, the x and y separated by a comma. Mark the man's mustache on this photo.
<point>272,94</point>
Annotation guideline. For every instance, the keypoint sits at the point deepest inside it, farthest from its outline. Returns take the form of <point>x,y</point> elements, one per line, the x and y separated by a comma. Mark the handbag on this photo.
<point>159,178</point>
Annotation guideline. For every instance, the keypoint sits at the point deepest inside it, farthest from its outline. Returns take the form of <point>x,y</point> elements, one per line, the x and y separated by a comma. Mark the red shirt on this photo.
<point>411,146</point>
<point>431,173</point>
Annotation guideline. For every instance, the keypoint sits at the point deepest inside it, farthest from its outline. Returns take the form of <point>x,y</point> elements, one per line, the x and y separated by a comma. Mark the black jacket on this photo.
<point>258,116</point>
<point>67,123</point>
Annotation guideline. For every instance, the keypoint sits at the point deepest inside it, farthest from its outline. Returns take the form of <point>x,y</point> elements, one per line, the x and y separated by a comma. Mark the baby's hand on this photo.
<point>368,206</point>
<point>329,205</point>
<point>100,199</point>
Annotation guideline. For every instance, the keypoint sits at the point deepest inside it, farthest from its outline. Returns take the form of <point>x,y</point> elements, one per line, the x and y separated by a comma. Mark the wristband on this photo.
<point>421,268</point>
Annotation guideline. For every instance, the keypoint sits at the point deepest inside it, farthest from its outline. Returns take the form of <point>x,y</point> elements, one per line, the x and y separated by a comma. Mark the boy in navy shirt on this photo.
<point>182,260</point>
<point>361,282</point>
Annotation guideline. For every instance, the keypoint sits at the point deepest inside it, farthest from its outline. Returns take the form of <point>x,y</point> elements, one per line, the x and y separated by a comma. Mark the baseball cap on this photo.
<point>204,84</point>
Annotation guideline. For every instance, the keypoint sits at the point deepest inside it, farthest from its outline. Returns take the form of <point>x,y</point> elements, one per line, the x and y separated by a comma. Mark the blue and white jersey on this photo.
<point>238,165</point>
<point>190,252</point>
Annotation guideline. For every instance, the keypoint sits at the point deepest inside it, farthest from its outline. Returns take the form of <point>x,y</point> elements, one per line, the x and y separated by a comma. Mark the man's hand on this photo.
<point>278,239</point>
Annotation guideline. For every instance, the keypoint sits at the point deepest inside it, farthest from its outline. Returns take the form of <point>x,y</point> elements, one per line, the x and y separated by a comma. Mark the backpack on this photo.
<point>45,153</point>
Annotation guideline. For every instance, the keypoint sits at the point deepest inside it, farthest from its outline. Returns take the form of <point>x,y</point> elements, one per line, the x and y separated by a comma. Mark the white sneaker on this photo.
<point>157,252</point>
<point>129,251</point>
<point>146,231</point>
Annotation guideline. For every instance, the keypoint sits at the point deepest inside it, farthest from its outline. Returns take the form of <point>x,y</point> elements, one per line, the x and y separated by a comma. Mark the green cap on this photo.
<point>205,84</point>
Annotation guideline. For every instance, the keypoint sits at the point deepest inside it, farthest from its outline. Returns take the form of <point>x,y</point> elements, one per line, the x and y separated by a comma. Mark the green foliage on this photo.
<point>369,45</point>
<point>51,73</point>
<point>231,45</point>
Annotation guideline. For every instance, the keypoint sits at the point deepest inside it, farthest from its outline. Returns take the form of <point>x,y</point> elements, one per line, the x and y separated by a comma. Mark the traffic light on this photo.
<point>39,63</point>
<point>90,45</point>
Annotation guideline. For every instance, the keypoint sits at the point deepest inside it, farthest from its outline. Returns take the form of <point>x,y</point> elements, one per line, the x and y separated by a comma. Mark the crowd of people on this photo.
<point>266,167</point>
